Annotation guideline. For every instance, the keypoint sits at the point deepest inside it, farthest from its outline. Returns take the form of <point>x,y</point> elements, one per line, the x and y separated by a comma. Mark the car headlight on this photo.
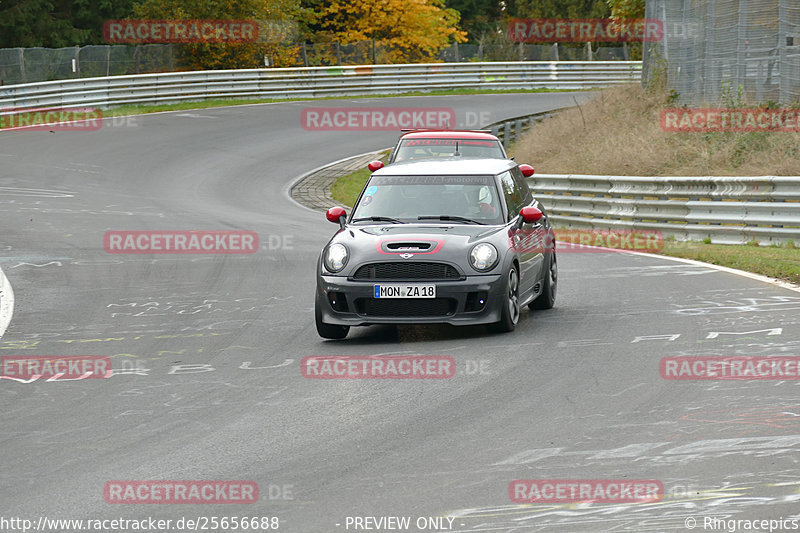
<point>335,257</point>
<point>483,257</point>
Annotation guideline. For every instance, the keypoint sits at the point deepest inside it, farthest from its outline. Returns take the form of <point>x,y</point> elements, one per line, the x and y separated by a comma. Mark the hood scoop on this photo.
<point>409,246</point>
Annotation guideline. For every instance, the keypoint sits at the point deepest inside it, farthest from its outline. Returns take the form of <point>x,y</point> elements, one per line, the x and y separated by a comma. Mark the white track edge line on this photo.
<point>6,302</point>
<point>757,277</point>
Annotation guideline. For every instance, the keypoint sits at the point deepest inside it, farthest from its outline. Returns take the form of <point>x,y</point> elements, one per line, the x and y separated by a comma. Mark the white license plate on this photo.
<point>405,291</point>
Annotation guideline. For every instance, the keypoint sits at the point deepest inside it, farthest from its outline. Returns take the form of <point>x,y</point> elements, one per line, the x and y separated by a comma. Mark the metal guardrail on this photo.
<point>509,131</point>
<point>313,82</point>
<point>727,210</point>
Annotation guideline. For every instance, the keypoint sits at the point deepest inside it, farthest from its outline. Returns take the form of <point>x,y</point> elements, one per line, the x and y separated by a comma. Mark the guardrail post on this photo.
<point>77,62</point>
<point>783,66</point>
<point>22,65</point>
<point>708,63</point>
<point>741,66</point>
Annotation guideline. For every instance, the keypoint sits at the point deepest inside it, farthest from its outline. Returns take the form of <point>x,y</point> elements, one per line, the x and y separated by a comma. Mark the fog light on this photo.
<point>338,301</point>
<point>476,301</point>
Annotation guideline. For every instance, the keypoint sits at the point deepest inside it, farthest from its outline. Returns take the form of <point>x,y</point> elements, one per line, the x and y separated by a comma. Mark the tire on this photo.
<point>547,299</point>
<point>510,313</point>
<point>328,331</point>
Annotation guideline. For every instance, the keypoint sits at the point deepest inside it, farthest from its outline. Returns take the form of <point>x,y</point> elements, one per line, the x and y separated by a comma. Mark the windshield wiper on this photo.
<point>451,218</point>
<point>378,219</point>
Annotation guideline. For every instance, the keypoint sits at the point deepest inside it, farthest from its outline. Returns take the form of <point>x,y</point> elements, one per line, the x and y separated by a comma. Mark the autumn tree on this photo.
<point>277,21</point>
<point>626,9</point>
<point>406,30</point>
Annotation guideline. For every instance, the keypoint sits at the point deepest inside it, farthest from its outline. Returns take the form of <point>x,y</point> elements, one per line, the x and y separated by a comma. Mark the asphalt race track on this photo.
<point>209,348</point>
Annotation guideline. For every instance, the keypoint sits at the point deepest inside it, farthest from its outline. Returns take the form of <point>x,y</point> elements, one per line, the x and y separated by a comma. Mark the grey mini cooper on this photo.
<point>457,241</point>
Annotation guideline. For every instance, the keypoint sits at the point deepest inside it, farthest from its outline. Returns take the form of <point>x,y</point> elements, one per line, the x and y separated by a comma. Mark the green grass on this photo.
<point>782,262</point>
<point>347,188</point>
<point>125,110</point>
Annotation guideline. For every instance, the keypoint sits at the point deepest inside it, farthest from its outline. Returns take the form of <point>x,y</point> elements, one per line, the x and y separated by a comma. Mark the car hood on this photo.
<point>413,242</point>
<point>445,230</point>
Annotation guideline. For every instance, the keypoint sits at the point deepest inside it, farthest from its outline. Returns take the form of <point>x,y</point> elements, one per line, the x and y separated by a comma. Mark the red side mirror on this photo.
<point>530,214</point>
<point>375,165</point>
<point>335,214</point>
<point>527,170</point>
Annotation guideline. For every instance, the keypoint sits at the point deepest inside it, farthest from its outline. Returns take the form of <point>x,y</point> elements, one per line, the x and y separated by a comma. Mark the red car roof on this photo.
<point>448,134</point>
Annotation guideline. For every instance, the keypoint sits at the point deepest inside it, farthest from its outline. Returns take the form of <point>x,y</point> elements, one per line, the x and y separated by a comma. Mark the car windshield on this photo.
<point>428,148</point>
<point>459,199</point>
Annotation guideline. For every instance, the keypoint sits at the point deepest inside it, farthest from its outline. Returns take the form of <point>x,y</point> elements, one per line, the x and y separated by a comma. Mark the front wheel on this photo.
<point>510,313</point>
<point>328,331</point>
<point>547,299</point>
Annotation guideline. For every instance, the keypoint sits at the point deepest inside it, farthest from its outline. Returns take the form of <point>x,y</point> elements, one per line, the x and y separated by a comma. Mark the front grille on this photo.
<point>423,307</point>
<point>416,270</point>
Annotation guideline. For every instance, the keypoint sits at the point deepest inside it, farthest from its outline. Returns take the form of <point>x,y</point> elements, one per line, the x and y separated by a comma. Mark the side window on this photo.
<point>522,184</point>
<point>515,197</point>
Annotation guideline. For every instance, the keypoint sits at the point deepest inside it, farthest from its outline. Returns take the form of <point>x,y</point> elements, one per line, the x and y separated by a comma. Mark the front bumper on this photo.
<point>352,303</point>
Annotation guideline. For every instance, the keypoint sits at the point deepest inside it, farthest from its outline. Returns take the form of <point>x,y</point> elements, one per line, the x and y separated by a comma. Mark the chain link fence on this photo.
<point>727,52</point>
<point>371,52</point>
<point>28,65</point>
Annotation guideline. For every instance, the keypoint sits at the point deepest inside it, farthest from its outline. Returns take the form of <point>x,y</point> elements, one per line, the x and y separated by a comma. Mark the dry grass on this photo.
<point>619,133</point>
